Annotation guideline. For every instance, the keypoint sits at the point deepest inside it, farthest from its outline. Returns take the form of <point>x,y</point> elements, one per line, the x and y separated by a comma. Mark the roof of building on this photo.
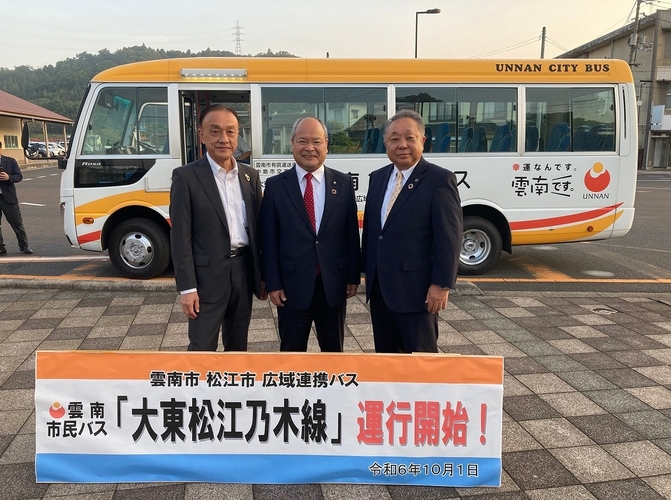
<point>11,105</point>
<point>579,52</point>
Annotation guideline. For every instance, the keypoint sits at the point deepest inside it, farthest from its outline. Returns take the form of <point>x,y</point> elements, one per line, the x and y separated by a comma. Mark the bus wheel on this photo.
<point>139,249</point>
<point>481,246</point>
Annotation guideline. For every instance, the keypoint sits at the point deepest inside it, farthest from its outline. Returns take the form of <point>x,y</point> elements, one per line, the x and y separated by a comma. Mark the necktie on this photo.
<point>394,194</point>
<point>309,199</point>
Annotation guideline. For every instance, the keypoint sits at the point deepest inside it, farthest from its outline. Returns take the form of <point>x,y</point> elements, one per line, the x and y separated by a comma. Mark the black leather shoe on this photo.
<point>3,251</point>
<point>26,249</point>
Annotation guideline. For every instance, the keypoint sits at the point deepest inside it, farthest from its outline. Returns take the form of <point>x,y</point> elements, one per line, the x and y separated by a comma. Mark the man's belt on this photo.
<point>238,252</point>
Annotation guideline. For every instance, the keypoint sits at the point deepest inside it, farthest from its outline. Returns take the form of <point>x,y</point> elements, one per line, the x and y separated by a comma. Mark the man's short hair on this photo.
<point>406,113</point>
<point>216,107</point>
<point>297,122</point>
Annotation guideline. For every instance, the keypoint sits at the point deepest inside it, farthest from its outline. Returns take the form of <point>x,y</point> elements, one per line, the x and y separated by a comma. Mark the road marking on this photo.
<point>69,258</point>
<point>606,245</point>
<point>599,274</point>
<point>32,204</point>
<point>540,271</point>
<point>661,281</point>
<point>31,277</point>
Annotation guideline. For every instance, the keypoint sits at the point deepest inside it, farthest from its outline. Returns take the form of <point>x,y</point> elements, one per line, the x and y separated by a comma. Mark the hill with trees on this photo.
<point>60,87</point>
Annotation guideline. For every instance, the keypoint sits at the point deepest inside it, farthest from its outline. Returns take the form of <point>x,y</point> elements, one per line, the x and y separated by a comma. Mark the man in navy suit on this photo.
<point>310,235</point>
<point>10,174</point>
<point>214,204</point>
<point>412,234</point>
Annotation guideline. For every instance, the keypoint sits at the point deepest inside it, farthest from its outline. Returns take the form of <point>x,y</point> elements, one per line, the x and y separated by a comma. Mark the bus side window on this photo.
<point>571,119</point>
<point>463,119</point>
<point>353,116</point>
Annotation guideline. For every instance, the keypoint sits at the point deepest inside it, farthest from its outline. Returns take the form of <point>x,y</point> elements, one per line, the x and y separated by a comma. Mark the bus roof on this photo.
<point>296,70</point>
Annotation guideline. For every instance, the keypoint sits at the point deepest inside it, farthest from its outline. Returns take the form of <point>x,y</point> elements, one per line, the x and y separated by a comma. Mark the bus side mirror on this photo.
<point>25,136</point>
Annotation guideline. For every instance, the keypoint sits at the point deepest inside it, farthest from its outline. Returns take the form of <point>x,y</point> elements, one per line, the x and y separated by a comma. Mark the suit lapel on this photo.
<point>290,181</point>
<point>332,186</point>
<point>409,188</point>
<point>204,174</point>
<point>246,188</point>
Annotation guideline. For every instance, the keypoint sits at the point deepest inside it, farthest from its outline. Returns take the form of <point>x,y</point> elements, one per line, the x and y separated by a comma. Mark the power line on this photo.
<point>625,20</point>
<point>547,38</point>
<point>505,49</point>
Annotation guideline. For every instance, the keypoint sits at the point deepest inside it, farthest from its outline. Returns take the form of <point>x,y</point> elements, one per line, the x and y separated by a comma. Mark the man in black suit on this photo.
<point>214,204</point>
<point>412,234</point>
<point>10,174</point>
<point>311,252</point>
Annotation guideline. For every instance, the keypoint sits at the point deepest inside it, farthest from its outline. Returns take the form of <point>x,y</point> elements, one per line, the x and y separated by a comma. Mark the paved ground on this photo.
<point>587,395</point>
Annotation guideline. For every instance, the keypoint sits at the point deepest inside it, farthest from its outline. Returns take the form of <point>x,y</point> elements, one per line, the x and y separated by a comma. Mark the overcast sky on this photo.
<point>41,32</point>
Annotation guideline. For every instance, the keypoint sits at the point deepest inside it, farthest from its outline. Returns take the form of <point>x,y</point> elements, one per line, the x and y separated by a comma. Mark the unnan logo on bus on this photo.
<point>597,178</point>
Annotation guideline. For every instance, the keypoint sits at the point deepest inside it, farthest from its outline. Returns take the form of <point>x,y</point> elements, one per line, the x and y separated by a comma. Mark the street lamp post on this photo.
<point>430,11</point>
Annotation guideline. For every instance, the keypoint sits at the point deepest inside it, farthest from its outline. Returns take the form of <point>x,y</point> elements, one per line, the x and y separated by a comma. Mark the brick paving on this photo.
<point>587,390</point>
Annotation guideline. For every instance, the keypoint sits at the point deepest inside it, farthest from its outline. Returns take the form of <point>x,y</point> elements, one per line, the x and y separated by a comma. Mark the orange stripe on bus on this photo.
<point>101,365</point>
<point>564,219</point>
<point>88,237</point>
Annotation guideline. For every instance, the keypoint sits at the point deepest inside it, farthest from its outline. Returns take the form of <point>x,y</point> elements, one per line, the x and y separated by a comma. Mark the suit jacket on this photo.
<point>291,249</point>
<point>8,189</point>
<point>420,242</point>
<point>200,238</point>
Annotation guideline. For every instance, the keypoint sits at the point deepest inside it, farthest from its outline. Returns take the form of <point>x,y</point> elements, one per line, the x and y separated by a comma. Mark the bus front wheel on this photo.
<point>139,249</point>
<point>480,247</point>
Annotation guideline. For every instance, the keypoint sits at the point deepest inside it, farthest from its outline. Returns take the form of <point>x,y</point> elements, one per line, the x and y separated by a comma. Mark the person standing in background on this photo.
<point>10,174</point>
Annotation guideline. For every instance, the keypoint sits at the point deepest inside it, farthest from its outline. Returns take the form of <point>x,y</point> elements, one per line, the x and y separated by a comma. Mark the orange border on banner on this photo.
<point>134,365</point>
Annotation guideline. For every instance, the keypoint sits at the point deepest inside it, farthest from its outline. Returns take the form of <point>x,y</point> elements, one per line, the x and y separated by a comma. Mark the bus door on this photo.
<point>193,102</point>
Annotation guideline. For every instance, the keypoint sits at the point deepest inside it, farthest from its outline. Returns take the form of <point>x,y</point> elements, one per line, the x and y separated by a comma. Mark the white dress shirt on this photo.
<point>318,191</point>
<point>230,192</point>
<point>390,188</point>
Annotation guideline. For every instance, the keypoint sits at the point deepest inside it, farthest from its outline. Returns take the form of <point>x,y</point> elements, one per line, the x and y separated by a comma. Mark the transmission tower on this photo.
<point>237,31</point>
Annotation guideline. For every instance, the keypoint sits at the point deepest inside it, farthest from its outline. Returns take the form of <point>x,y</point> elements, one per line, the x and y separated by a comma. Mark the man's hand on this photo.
<point>351,290</point>
<point>190,304</point>
<point>436,299</point>
<point>4,176</point>
<point>277,297</point>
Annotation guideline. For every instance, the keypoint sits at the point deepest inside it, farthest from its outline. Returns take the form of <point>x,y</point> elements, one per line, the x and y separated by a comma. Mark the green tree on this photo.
<point>60,87</point>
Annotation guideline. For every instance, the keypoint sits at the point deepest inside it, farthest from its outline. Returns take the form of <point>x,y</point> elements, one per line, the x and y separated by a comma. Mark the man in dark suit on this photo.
<point>311,251</point>
<point>214,204</point>
<point>412,234</point>
<point>10,174</point>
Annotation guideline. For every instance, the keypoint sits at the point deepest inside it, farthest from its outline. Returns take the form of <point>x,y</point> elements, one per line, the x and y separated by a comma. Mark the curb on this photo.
<point>158,285</point>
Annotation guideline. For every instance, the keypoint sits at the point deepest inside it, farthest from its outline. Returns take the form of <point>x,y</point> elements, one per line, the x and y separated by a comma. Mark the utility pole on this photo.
<point>543,43</point>
<point>633,41</point>
<point>238,38</point>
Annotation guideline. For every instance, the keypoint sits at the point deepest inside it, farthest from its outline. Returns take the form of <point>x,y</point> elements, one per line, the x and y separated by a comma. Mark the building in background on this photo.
<point>50,129</point>
<point>646,45</point>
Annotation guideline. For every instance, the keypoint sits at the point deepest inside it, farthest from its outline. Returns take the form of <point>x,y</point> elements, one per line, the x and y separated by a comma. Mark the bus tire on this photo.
<point>139,249</point>
<point>480,247</point>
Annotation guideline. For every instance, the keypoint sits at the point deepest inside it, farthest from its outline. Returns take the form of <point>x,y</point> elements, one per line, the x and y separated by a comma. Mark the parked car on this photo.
<point>33,150</point>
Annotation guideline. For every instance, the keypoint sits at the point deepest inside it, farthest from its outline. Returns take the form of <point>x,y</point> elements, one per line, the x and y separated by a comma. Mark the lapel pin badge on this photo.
<point>247,177</point>
<point>334,191</point>
<point>410,186</point>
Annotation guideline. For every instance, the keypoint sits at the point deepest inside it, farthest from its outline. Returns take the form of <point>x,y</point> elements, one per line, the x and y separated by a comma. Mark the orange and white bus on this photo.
<point>544,151</point>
